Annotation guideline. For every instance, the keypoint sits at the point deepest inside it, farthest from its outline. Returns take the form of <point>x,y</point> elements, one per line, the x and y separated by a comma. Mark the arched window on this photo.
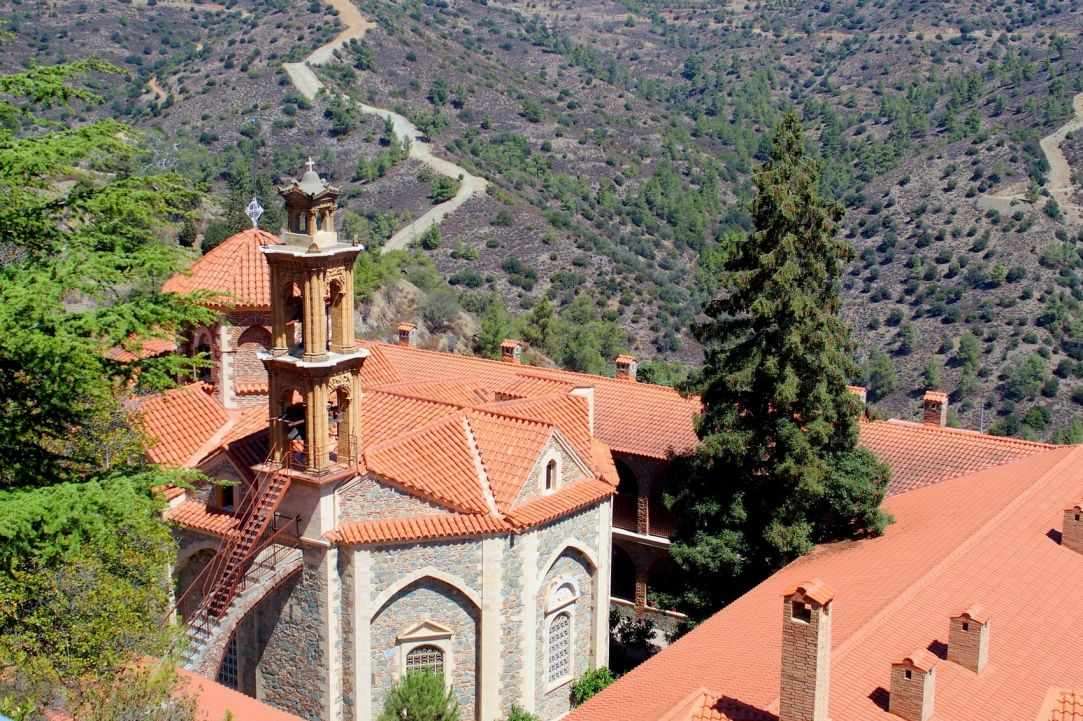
<point>560,647</point>
<point>551,475</point>
<point>425,658</point>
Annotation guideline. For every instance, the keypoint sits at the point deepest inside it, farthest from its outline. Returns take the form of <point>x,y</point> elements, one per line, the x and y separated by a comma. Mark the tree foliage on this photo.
<point>85,243</point>
<point>420,696</point>
<point>777,469</point>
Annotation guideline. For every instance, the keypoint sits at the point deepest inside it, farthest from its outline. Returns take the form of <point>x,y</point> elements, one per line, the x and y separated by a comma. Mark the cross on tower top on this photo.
<point>254,211</point>
<point>311,164</point>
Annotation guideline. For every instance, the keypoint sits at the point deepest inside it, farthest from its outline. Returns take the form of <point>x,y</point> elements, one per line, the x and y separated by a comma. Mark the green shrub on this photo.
<point>518,714</point>
<point>590,683</point>
<point>420,696</point>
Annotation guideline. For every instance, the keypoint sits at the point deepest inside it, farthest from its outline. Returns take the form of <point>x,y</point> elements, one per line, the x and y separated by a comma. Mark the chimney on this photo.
<point>511,351</point>
<point>1071,535</point>
<point>626,368</point>
<point>968,639</point>
<point>588,393</point>
<point>806,652</point>
<point>861,393</point>
<point>913,686</point>
<point>935,408</point>
<point>407,334</point>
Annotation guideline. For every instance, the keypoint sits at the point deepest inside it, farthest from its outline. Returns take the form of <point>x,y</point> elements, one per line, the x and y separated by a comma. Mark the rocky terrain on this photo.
<point>618,140</point>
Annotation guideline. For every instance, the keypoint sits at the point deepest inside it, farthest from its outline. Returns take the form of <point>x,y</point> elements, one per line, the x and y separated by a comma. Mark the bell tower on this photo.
<point>313,367</point>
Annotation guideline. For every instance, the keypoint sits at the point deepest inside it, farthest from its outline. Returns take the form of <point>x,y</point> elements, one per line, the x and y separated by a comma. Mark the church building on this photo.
<point>362,521</point>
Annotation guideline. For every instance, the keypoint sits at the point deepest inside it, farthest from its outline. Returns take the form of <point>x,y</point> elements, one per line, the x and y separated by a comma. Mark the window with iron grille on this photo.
<point>227,672</point>
<point>425,658</point>
<point>560,642</point>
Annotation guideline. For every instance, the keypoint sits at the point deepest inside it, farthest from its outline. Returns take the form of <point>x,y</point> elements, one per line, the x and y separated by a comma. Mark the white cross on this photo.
<point>311,165</point>
<point>254,211</point>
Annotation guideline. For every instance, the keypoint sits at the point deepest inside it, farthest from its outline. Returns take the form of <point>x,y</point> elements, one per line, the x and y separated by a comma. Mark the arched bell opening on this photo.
<point>340,422</point>
<point>289,429</point>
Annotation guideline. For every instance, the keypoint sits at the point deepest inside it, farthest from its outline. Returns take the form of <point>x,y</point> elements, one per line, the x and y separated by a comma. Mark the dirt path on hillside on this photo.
<point>1058,181</point>
<point>156,88</point>
<point>307,84</point>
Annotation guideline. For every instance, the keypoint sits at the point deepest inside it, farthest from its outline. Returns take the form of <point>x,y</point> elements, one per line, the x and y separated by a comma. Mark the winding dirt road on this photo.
<point>1058,181</point>
<point>307,84</point>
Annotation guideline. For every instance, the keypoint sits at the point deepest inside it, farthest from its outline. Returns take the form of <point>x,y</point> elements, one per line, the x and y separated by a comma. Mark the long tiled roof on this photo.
<point>194,514</point>
<point>179,422</point>
<point>235,273</point>
<point>1062,705</point>
<point>920,454</point>
<point>983,538</point>
<point>417,528</point>
<point>636,418</point>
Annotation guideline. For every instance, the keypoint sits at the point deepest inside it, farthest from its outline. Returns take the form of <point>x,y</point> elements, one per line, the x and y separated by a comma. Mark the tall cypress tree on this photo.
<point>777,468</point>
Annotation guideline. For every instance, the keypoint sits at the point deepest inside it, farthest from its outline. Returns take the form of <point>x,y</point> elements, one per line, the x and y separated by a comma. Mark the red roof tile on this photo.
<point>920,454</point>
<point>215,702</point>
<point>637,418</point>
<point>509,448</point>
<point>194,514</point>
<point>436,462</point>
<point>180,422</point>
<point>235,272</point>
<point>149,348</point>
<point>416,528</point>
<point>984,537</point>
<point>569,413</point>
<point>569,499</point>
<point>1062,705</point>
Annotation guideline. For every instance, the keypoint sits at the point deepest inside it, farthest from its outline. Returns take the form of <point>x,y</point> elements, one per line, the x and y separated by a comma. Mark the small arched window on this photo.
<point>425,658</point>
<point>551,475</point>
<point>560,647</point>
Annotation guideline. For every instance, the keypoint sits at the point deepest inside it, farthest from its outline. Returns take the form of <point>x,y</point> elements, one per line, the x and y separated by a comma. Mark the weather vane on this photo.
<point>254,211</point>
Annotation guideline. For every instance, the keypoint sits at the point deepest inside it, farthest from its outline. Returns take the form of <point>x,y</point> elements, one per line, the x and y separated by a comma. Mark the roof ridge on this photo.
<point>399,394</point>
<point>980,533</point>
<point>479,463</point>
<point>484,410</point>
<point>930,428</point>
<point>420,430</point>
<point>652,387</point>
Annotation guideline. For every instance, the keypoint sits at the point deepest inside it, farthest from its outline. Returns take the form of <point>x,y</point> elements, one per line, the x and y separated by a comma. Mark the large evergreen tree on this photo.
<point>85,243</point>
<point>777,468</point>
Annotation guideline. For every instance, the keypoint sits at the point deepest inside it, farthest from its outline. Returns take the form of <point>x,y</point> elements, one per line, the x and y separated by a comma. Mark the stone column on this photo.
<point>362,640</point>
<point>492,652</point>
<point>603,576</point>
<point>316,429</point>
<point>529,651</point>
<point>311,317</point>
<point>321,570</point>
<point>279,342</point>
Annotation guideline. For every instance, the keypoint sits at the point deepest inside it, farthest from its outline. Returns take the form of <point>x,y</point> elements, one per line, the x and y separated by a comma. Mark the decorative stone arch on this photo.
<point>451,580</point>
<point>190,549</point>
<point>592,559</point>
<point>257,335</point>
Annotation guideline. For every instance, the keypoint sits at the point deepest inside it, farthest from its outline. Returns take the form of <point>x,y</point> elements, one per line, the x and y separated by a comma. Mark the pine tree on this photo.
<point>777,468</point>
<point>420,696</point>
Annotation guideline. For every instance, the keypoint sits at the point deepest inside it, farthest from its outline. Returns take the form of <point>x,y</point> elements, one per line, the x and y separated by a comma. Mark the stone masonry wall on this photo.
<point>368,499</point>
<point>554,702</point>
<point>346,574</point>
<point>511,625</point>
<point>569,471</point>
<point>582,527</point>
<point>459,558</point>
<point>290,673</point>
<point>428,600</point>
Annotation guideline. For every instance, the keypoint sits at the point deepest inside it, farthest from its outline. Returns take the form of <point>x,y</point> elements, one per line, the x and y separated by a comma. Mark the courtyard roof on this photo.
<point>234,274</point>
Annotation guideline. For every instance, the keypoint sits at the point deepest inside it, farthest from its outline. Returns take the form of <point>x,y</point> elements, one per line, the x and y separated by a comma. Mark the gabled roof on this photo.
<point>922,453</point>
<point>637,418</point>
<point>1062,704</point>
<point>985,538</point>
<point>179,422</point>
<point>235,273</point>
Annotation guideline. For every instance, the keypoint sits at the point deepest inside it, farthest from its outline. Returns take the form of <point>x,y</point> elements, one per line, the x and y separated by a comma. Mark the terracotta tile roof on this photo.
<point>527,386</point>
<point>436,462</point>
<point>179,422</point>
<point>387,416</point>
<point>215,702</point>
<point>920,454</point>
<point>1062,705</point>
<point>457,393</point>
<point>416,528</point>
<point>704,705</point>
<point>194,514</point>
<point>509,448</point>
<point>569,499</point>
<point>981,538</point>
<point>569,413</point>
<point>149,348</point>
<point>250,388</point>
<point>248,421</point>
<point>235,272</point>
<point>636,418</point>
<point>604,464</point>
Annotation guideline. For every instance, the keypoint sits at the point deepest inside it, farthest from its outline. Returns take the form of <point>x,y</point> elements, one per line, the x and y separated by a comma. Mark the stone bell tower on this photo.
<point>314,367</point>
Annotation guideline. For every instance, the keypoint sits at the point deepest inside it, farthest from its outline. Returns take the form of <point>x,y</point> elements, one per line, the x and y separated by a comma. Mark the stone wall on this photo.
<point>290,674</point>
<point>458,558</point>
<point>535,484</point>
<point>428,599</point>
<point>554,701</point>
<point>512,620</point>
<point>346,572</point>
<point>367,499</point>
